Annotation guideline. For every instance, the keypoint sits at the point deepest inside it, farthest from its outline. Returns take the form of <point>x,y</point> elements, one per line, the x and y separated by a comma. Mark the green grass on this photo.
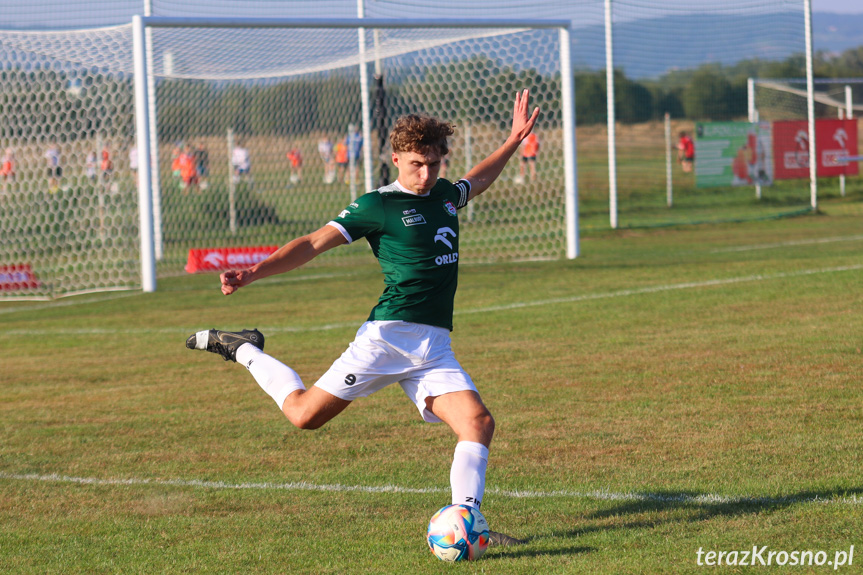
<point>705,379</point>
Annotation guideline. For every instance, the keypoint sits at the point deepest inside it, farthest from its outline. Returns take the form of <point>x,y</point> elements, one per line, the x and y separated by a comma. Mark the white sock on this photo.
<point>467,476</point>
<point>274,377</point>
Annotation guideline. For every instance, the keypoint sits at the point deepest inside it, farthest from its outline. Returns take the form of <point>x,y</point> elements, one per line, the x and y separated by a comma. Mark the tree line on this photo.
<point>43,104</point>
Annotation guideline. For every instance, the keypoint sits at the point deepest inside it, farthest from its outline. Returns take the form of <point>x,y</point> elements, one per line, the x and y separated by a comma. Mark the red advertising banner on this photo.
<point>17,277</point>
<point>219,259</point>
<point>834,140</point>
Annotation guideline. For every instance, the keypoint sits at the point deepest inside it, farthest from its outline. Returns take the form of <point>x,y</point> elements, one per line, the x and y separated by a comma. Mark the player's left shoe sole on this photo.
<point>225,343</point>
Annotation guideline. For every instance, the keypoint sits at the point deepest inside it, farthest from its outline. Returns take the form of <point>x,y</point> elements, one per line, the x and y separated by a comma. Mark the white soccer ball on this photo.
<point>458,533</point>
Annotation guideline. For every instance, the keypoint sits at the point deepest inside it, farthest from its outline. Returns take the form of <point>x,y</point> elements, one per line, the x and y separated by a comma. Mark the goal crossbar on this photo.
<point>176,22</point>
<point>821,98</point>
<point>148,195</point>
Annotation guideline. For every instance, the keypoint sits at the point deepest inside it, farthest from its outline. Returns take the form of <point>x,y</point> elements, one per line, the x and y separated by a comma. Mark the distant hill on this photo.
<point>650,48</point>
<point>837,32</point>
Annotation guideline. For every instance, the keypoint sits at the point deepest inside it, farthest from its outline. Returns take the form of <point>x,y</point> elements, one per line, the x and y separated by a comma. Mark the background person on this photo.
<point>55,167</point>
<point>325,151</point>
<point>7,167</point>
<point>241,162</point>
<point>354,142</point>
<point>341,156</point>
<point>529,152</point>
<point>295,163</point>
<point>685,152</point>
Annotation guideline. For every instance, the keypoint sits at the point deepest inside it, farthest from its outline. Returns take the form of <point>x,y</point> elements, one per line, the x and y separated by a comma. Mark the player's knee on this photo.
<point>483,423</point>
<point>305,420</point>
<point>302,418</point>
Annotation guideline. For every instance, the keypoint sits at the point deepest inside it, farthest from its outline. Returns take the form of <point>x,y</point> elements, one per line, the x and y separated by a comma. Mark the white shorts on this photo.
<point>419,357</point>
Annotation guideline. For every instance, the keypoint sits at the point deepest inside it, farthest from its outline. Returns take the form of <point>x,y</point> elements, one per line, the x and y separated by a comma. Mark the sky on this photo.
<point>838,6</point>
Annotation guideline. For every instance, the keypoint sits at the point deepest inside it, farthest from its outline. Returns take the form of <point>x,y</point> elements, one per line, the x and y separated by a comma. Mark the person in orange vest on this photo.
<point>188,169</point>
<point>529,151</point>
<point>341,159</point>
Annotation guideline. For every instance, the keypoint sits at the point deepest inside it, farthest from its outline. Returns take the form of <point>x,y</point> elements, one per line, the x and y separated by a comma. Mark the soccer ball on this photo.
<point>458,533</point>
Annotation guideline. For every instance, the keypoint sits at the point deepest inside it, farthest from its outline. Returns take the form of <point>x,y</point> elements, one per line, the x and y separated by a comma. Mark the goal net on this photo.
<point>259,138</point>
<point>785,98</point>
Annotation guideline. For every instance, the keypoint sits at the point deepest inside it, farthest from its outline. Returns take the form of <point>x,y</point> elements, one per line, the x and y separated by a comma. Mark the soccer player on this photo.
<point>529,151</point>
<point>342,160</point>
<point>241,161</point>
<point>188,169</point>
<point>7,167</point>
<point>354,142</point>
<point>325,151</point>
<point>107,164</point>
<point>685,152</point>
<point>295,162</point>
<point>55,168</point>
<point>412,227</point>
<point>202,165</point>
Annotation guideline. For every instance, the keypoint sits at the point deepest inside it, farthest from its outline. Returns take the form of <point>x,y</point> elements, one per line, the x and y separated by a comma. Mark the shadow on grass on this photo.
<point>528,550</point>
<point>700,507</point>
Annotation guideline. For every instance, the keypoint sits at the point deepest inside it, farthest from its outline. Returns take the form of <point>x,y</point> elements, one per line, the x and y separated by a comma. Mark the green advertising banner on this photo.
<point>733,154</point>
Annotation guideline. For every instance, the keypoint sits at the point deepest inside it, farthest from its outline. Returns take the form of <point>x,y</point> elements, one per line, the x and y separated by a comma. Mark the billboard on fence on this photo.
<point>18,277</point>
<point>733,154</point>
<point>834,139</point>
<point>219,259</point>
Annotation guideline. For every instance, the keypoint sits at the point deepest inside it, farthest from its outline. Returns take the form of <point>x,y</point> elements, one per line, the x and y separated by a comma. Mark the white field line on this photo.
<point>503,307</point>
<point>790,243</point>
<point>67,303</point>
<point>598,495</point>
<point>662,288</point>
<point>109,296</point>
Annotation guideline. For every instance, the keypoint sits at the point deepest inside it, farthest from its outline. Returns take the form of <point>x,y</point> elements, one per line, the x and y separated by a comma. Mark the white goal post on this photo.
<point>149,212</point>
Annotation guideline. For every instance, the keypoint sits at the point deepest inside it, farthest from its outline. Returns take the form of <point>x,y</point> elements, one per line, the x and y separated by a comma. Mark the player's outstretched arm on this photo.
<point>290,256</point>
<point>483,174</point>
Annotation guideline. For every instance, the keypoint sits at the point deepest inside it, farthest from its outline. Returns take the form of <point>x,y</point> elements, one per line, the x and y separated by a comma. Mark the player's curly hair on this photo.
<point>420,133</point>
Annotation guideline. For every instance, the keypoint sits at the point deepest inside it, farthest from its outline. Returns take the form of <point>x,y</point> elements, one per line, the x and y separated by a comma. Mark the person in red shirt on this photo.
<point>107,165</point>
<point>686,152</point>
<point>7,167</point>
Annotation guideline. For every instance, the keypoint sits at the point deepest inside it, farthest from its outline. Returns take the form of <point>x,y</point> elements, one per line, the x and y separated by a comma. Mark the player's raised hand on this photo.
<point>233,280</point>
<point>522,121</point>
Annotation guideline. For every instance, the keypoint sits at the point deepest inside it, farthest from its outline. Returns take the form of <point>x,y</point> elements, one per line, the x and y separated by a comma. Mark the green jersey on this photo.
<point>415,239</point>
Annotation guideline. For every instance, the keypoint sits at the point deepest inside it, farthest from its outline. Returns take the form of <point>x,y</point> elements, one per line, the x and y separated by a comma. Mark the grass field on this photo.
<point>671,390</point>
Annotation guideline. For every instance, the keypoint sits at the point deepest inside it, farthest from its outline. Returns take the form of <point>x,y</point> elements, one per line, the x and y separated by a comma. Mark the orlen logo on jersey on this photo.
<point>443,235</point>
<point>446,259</point>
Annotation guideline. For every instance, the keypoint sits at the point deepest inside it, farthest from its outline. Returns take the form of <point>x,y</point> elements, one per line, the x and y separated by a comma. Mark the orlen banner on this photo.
<point>834,140</point>
<point>18,277</point>
<point>219,259</point>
